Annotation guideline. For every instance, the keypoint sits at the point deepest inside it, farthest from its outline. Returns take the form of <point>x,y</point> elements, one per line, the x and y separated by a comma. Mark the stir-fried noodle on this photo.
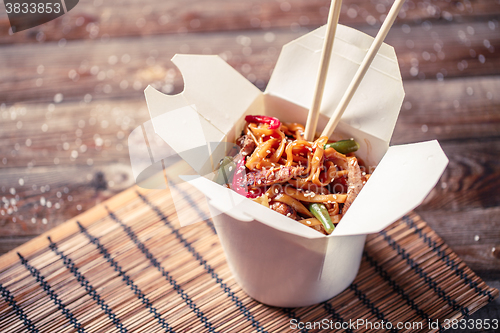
<point>314,183</point>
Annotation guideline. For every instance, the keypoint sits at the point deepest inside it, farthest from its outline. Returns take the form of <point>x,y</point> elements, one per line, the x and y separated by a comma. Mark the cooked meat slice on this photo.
<point>284,209</point>
<point>266,177</point>
<point>354,181</point>
<point>246,144</point>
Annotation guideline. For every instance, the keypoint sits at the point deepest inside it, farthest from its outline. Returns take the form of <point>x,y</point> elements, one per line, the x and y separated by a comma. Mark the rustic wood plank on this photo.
<point>118,18</point>
<point>122,67</point>
<point>471,179</point>
<point>51,195</point>
<point>85,134</point>
<point>11,242</point>
<point>462,108</point>
<point>471,234</point>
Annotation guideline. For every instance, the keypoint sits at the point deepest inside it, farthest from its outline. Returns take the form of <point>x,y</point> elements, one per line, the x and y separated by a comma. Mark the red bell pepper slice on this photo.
<point>273,123</point>
<point>238,177</point>
<point>238,185</point>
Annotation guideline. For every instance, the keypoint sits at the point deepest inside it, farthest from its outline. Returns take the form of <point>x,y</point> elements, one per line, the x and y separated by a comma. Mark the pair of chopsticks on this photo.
<point>333,18</point>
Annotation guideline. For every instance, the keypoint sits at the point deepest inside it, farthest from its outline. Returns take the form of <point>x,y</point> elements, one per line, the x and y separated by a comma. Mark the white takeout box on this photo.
<point>276,260</point>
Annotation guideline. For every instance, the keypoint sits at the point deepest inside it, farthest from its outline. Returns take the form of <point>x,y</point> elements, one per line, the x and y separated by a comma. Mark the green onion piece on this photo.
<point>225,171</point>
<point>321,213</point>
<point>343,146</point>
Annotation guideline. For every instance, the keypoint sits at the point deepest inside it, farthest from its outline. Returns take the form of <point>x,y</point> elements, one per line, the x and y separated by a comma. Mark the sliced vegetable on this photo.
<point>238,178</point>
<point>313,197</point>
<point>343,146</point>
<point>321,213</point>
<point>225,171</point>
<point>273,123</point>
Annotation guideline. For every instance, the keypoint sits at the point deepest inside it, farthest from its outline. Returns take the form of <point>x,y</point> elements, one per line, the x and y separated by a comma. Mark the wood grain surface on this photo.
<point>71,91</point>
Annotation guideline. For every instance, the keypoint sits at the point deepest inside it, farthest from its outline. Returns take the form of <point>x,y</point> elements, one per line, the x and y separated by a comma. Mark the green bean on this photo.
<point>343,146</point>
<point>321,213</point>
<point>225,171</point>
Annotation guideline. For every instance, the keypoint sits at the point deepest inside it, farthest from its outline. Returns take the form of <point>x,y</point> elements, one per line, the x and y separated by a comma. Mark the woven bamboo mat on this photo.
<point>127,266</point>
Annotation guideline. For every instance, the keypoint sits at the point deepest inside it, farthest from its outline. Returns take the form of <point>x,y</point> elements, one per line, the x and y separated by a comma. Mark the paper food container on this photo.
<point>276,260</point>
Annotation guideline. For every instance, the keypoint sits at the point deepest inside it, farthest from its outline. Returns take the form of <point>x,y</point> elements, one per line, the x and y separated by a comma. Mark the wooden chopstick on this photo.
<point>313,115</point>
<point>358,77</point>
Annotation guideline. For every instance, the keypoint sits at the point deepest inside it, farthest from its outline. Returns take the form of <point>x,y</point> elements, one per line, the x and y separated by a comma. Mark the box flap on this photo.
<point>211,86</point>
<point>146,151</point>
<point>375,106</point>
<point>215,97</point>
<point>401,181</point>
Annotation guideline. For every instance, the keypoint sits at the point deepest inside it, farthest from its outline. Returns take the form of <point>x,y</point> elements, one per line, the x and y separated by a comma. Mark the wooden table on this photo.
<point>71,91</point>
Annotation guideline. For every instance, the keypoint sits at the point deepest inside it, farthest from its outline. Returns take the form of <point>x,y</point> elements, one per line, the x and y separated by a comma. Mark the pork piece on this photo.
<point>354,182</point>
<point>266,177</point>
<point>284,209</point>
<point>246,144</point>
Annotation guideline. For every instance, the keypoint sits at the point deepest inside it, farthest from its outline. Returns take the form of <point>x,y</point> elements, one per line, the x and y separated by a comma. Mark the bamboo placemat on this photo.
<point>127,266</point>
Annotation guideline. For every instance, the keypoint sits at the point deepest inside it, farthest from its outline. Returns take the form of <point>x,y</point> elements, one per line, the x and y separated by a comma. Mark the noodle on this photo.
<point>310,222</point>
<point>305,185</point>
<point>313,197</point>
<point>295,204</point>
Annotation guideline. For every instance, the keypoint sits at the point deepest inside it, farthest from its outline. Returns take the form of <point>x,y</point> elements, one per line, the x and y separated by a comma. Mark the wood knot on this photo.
<point>99,182</point>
